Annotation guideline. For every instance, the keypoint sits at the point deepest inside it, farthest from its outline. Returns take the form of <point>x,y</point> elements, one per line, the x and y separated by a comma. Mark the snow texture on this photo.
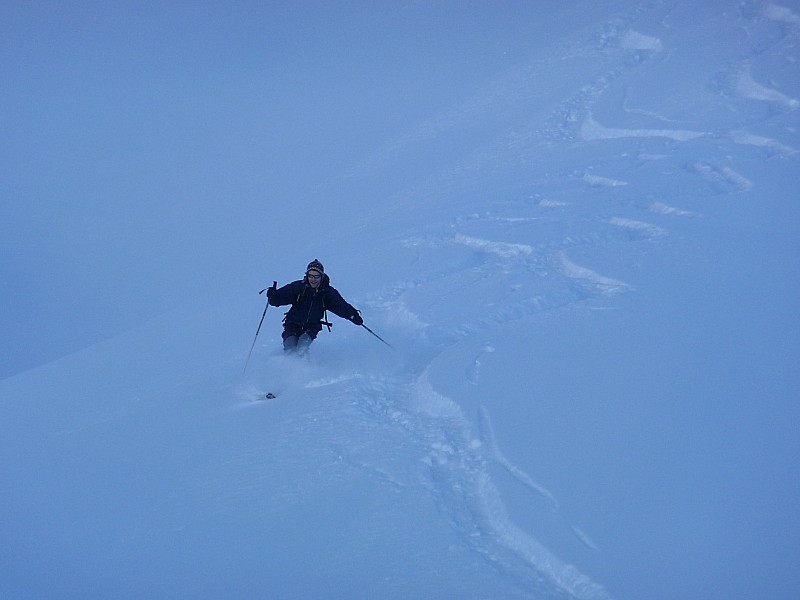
<point>575,222</point>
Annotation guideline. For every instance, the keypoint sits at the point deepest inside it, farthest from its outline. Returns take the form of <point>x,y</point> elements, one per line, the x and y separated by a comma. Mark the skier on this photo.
<point>310,298</point>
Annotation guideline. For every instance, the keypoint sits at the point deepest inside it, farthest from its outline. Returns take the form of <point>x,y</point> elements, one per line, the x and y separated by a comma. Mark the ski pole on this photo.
<point>379,337</point>
<point>253,345</point>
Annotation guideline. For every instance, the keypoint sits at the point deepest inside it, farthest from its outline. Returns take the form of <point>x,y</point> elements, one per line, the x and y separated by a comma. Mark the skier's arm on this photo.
<point>284,295</point>
<point>341,308</point>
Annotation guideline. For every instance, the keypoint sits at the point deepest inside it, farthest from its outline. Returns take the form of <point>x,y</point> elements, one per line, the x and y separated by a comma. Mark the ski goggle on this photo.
<point>310,276</point>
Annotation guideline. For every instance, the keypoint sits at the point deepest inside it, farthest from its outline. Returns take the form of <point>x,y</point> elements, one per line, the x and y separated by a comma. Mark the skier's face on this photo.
<point>314,278</point>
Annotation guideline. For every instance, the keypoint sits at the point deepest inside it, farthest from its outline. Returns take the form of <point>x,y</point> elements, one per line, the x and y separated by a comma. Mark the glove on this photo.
<point>270,293</point>
<point>356,318</point>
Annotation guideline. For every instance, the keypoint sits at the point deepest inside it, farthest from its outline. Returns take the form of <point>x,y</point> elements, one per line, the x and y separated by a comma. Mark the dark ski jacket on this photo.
<point>309,305</point>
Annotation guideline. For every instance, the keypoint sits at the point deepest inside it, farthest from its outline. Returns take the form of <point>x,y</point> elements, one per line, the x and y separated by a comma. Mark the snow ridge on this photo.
<point>497,243</point>
<point>456,474</point>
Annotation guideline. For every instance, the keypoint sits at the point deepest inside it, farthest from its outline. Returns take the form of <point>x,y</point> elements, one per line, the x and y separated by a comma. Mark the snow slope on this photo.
<point>589,270</point>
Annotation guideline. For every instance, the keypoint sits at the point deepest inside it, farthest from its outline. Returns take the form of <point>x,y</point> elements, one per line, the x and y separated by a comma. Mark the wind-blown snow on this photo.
<point>576,225</point>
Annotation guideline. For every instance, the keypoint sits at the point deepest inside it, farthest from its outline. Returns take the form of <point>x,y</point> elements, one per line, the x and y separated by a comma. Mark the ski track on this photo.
<point>488,437</point>
<point>453,460</point>
<point>453,468</point>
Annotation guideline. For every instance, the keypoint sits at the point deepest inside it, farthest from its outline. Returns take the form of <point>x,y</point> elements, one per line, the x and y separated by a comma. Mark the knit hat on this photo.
<point>315,265</point>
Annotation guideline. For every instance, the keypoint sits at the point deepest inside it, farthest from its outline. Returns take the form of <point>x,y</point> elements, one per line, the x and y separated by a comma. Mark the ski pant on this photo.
<point>296,339</point>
